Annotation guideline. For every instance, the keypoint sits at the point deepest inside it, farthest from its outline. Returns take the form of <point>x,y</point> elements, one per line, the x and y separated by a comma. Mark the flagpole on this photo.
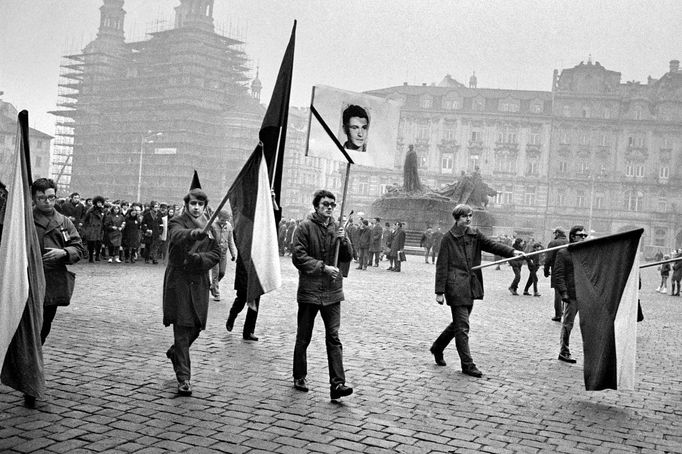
<point>310,121</point>
<point>676,259</point>
<point>343,204</point>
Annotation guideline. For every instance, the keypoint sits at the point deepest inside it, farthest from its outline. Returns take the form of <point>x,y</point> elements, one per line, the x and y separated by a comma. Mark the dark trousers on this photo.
<point>49,313</point>
<point>517,278</point>
<point>458,330</point>
<point>331,316</point>
<point>532,280</point>
<point>363,258</point>
<point>558,304</point>
<point>397,265</point>
<point>374,256</point>
<point>94,248</point>
<point>151,249</point>
<point>427,250</point>
<point>184,337</point>
<point>251,315</point>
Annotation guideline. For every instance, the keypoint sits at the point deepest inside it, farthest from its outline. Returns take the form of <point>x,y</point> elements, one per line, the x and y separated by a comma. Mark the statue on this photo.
<point>411,172</point>
<point>470,189</point>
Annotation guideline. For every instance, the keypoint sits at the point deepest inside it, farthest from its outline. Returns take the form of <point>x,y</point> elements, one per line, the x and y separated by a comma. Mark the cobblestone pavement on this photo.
<point>111,388</point>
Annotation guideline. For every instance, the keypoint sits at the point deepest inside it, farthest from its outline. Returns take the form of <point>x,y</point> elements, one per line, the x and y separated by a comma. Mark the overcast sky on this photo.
<point>362,44</point>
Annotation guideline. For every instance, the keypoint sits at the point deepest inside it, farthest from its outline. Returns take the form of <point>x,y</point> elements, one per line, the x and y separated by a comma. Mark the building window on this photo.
<point>449,132</point>
<point>507,135</point>
<point>423,131</point>
<point>639,171</point>
<point>584,139</point>
<point>584,168</point>
<point>659,237</point>
<point>563,137</point>
<point>506,196</point>
<point>478,105</point>
<point>534,136</point>
<point>529,197</point>
<point>629,169</point>
<point>509,106</point>
<point>561,199</point>
<point>363,186</point>
<point>536,107</point>
<point>505,163</point>
<point>446,163</point>
<point>667,143</point>
<point>426,102</point>
<point>451,104</point>
<point>533,167</point>
<point>662,206</point>
<point>476,136</point>
<point>566,111</point>
<point>598,202</point>
<point>638,113</point>
<point>473,162</point>
<point>604,140</point>
<point>607,113</point>
<point>634,200</point>
<point>580,199</point>
<point>664,172</point>
<point>563,166</point>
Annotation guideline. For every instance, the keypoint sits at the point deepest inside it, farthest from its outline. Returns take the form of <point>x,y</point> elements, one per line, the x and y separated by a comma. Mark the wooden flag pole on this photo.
<point>343,204</point>
<point>527,254</point>
<point>676,259</point>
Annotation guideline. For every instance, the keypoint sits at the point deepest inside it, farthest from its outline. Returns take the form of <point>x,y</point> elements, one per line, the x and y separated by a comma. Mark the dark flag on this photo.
<point>250,196</point>
<point>22,284</point>
<point>607,290</point>
<point>195,181</point>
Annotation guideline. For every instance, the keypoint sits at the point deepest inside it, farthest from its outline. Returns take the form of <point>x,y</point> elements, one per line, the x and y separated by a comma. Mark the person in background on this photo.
<point>397,246</point>
<point>93,228</point>
<point>516,265</point>
<point>225,239</point>
<point>677,275</point>
<point>364,235</point>
<point>426,242</point>
<point>436,238</point>
<point>131,233</point>
<point>533,263</point>
<point>152,226</point>
<point>550,258</point>
<point>114,223</point>
<point>375,246</point>
<point>665,273</point>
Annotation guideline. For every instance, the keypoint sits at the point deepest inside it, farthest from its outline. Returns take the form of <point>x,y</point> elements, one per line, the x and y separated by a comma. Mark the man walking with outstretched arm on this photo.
<point>320,289</point>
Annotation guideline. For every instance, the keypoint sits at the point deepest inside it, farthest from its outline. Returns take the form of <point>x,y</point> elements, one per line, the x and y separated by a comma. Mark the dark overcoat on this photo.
<point>563,274</point>
<point>93,224</point>
<point>56,231</point>
<point>314,247</point>
<point>550,258</point>
<point>131,231</point>
<point>112,223</point>
<point>460,250</point>
<point>397,242</point>
<point>377,234</point>
<point>186,282</point>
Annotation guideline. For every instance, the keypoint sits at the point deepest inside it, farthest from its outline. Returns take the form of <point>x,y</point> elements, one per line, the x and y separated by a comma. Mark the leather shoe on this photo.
<point>340,390</point>
<point>301,384</point>
<point>170,354</point>
<point>184,388</point>
<point>229,324</point>
<point>249,337</point>
<point>567,358</point>
<point>29,401</point>
<point>438,356</point>
<point>473,371</point>
<point>556,319</point>
<point>513,292</point>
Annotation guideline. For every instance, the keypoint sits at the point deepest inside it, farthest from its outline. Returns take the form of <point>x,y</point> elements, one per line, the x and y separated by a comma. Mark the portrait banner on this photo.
<point>365,126</point>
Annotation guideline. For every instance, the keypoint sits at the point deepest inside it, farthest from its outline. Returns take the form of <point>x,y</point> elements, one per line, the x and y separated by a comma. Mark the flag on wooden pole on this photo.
<point>22,282</point>
<point>250,196</point>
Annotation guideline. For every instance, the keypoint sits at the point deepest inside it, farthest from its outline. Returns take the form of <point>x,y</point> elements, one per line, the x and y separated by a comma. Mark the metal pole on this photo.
<point>676,259</point>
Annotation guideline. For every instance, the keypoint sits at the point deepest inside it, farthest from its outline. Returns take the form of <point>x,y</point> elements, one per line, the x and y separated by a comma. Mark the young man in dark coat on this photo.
<point>375,246</point>
<point>565,285</point>
<point>559,240</point>
<point>459,286</point>
<point>191,254</point>
<point>152,227</point>
<point>397,246</point>
<point>320,289</point>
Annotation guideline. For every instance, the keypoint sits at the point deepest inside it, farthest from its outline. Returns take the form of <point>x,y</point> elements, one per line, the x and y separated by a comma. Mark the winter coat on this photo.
<point>460,250</point>
<point>550,258</point>
<point>677,271</point>
<point>74,212</point>
<point>665,269</point>
<point>154,222</point>
<point>186,282</point>
<point>113,224</point>
<point>364,237</point>
<point>377,234</point>
<point>564,275</point>
<point>56,231</point>
<point>436,238</point>
<point>93,224</point>
<point>314,247</point>
<point>426,240</point>
<point>397,242</point>
<point>131,232</point>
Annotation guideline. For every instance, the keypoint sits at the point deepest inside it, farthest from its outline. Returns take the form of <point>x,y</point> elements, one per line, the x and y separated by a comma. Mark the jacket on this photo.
<point>314,246</point>
<point>93,224</point>
<point>460,250</point>
<point>397,242</point>
<point>564,274</point>
<point>56,231</point>
<point>186,283</point>
<point>131,231</point>
<point>550,258</point>
<point>364,237</point>
<point>377,234</point>
<point>113,224</point>
<point>154,222</point>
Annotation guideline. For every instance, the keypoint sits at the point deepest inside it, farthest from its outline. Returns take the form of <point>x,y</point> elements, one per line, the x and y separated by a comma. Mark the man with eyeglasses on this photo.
<point>565,285</point>
<point>60,245</point>
<point>191,254</point>
<point>320,289</point>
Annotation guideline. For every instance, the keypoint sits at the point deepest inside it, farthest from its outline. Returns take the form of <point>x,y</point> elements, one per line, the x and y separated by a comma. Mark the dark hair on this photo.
<point>321,194</point>
<point>575,229</point>
<point>461,210</point>
<point>98,198</point>
<point>365,221</point>
<point>399,224</point>
<point>387,224</point>
<point>351,111</point>
<point>377,219</point>
<point>197,193</point>
<point>518,244</point>
<point>74,193</point>
<point>154,202</point>
<point>42,185</point>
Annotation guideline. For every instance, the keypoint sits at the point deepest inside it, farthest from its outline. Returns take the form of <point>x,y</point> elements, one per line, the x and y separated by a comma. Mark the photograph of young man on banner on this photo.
<point>364,126</point>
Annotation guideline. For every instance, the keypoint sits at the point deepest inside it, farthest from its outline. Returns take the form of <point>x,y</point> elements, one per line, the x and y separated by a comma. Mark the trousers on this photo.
<point>458,330</point>
<point>184,337</point>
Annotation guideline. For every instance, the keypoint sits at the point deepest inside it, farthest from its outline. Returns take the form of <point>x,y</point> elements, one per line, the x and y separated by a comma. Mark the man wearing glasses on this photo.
<point>320,289</point>
<point>565,285</point>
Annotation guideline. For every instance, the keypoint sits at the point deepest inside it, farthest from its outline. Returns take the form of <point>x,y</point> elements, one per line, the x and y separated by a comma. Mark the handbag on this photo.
<point>401,256</point>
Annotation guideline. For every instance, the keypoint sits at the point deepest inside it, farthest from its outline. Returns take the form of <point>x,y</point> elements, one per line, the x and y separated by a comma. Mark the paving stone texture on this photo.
<point>112,389</point>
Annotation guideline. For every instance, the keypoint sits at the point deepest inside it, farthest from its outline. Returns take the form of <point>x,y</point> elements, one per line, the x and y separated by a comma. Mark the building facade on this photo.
<point>136,119</point>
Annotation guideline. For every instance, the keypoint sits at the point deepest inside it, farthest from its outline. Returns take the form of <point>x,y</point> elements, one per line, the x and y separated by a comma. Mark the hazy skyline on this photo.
<point>362,45</point>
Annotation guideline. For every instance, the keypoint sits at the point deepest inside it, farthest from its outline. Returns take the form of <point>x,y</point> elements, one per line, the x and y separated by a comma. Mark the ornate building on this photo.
<point>592,150</point>
<point>137,118</point>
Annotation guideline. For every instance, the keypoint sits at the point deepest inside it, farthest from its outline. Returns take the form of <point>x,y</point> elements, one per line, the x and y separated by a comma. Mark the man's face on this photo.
<point>163,210</point>
<point>75,199</point>
<point>357,131</point>
<point>580,236</point>
<point>44,201</point>
<point>155,208</point>
<point>195,207</point>
<point>325,207</point>
<point>465,220</point>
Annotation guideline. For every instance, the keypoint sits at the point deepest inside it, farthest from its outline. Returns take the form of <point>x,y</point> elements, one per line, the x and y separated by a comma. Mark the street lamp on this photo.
<point>602,174</point>
<point>144,138</point>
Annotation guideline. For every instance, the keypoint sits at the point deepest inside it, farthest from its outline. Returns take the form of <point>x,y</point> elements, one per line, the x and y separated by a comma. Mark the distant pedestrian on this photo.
<point>426,241</point>
<point>225,239</point>
<point>565,284</point>
<point>677,276</point>
<point>191,254</point>
<point>131,233</point>
<point>375,247</point>
<point>152,227</point>
<point>436,239</point>
<point>550,259</point>
<point>93,228</point>
<point>459,286</point>
<point>241,281</point>
<point>533,263</point>
<point>398,247</point>
<point>114,223</point>
<point>364,238</point>
<point>320,289</point>
<point>665,273</point>
<point>516,266</point>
